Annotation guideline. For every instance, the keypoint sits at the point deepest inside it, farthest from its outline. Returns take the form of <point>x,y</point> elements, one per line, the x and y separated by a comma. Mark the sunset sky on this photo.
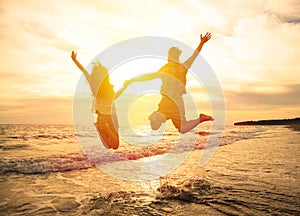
<point>254,51</point>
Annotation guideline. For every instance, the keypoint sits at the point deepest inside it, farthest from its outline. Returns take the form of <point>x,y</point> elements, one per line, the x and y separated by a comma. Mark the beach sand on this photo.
<point>258,175</point>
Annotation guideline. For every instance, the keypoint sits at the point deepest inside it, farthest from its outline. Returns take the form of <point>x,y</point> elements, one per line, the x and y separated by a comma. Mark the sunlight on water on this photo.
<point>141,135</point>
<point>153,158</point>
<point>255,171</point>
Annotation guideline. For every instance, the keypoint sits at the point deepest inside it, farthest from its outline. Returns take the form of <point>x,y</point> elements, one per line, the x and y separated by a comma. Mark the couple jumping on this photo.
<point>173,77</point>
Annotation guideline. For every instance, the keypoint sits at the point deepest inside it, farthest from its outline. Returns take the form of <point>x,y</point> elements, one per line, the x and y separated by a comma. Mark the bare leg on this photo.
<point>113,139</point>
<point>103,136</point>
<point>189,125</point>
<point>109,137</point>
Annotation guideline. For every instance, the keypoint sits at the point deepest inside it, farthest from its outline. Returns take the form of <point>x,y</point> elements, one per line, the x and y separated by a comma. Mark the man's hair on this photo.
<point>172,50</point>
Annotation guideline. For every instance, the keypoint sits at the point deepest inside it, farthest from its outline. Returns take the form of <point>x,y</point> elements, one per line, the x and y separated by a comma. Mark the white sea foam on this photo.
<point>254,172</point>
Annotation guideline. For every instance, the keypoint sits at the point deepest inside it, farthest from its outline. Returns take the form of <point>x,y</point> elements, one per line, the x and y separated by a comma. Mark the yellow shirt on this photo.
<point>173,79</point>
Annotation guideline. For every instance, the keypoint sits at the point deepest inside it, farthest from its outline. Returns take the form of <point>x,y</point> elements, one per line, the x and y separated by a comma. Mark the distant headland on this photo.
<point>294,121</point>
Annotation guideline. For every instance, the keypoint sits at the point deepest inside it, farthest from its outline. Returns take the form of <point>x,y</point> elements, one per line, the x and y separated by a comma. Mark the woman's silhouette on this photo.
<point>102,90</point>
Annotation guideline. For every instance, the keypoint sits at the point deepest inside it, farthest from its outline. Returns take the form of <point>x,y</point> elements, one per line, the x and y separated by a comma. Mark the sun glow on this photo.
<point>254,49</point>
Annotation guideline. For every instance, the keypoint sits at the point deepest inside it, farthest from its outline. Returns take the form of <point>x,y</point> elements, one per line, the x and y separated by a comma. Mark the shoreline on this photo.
<point>294,121</point>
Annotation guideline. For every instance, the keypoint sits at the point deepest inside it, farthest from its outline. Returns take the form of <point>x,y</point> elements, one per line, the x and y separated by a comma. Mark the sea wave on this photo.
<point>39,165</point>
<point>13,146</point>
<point>57,162</point>
<point>27,132</point>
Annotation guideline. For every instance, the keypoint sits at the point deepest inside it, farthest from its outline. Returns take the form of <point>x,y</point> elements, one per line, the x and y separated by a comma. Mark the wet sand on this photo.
<point>256,176</point>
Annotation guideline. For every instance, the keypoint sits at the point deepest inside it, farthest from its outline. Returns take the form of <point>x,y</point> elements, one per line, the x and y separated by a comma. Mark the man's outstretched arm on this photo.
<point>142,78</point>
<point>86,74</point>
<point>188,63</point>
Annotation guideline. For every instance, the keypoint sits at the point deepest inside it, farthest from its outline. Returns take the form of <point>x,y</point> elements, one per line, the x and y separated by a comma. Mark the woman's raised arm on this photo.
<point>86,74</point>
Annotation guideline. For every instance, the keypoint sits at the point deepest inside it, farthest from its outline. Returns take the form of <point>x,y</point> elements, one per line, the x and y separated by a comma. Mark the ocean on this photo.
<point>55,170</point>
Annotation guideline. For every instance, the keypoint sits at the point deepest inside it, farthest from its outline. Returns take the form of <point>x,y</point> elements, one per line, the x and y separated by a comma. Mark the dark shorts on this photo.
<point>172,109</point>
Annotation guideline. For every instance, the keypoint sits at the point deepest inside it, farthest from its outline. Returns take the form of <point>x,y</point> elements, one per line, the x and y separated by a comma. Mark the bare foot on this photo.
<point>204,118</point>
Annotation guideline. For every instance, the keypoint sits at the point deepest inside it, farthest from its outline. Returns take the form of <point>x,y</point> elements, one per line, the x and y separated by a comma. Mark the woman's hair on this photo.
<point>100,83</point>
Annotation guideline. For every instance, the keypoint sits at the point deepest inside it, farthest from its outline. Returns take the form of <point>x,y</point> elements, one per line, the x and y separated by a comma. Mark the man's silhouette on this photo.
<point>173,76</point>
